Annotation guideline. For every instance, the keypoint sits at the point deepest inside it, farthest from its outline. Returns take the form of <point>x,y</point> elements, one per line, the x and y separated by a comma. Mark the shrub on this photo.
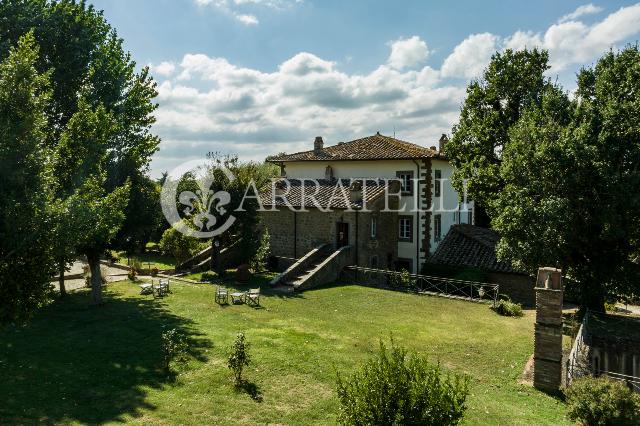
<point>178,245</point>
<point>154,271</point>
<point>259,260</point>
<point>239,358</point>
<point>401,279</point>
<point>508,308</point>
<point>174,348</point>
<point>132,274</point>
<point>136,265</point>
<point>601,401</point>
<point>398,387</point>
<point>209,276</point>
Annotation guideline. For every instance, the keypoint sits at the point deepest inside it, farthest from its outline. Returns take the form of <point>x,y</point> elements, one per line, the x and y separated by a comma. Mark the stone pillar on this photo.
<point>547,355</point>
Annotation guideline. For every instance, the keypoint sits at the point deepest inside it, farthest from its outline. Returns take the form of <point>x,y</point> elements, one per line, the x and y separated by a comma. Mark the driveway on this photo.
<point>113,274</point>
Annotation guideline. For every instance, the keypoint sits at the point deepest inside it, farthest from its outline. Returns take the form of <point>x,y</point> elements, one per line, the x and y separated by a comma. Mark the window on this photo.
<point>406,182</point>
<point>437,227</point>
<point>405,228</point>
<point>373,262</point>
<point>374,227</point>
<point>470,217</point>
<point>404,264</point>
<point>437,182</point>
<point>456,215</point>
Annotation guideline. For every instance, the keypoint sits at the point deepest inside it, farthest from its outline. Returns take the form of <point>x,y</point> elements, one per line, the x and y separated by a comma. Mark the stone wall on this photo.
<point>314,228</point>
<point>520,288</point>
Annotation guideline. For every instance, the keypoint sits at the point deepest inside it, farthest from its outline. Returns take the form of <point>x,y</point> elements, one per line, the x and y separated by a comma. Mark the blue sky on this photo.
<point>255,77</point>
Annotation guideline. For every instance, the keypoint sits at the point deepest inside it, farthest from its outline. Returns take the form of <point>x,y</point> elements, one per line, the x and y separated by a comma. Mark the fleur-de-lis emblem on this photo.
<point>202,203</point>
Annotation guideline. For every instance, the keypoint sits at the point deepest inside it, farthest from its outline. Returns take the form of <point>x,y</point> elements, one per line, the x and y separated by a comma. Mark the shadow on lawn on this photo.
<point>87,364</point>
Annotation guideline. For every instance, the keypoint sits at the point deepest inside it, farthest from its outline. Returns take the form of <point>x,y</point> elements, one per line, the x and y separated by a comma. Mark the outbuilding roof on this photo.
<point>471,246</point>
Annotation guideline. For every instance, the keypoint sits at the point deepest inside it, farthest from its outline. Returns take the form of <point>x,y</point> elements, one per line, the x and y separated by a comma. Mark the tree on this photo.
<point>144,221</point>
<point>571,175</point>
<point>26,256</point>
<point>513,81</point>
<point>90,73</point>
<point>259,260</point>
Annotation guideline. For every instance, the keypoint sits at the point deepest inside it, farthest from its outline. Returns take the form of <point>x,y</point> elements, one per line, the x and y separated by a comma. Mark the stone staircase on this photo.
<point>202,260</point>
<point>320,266</point>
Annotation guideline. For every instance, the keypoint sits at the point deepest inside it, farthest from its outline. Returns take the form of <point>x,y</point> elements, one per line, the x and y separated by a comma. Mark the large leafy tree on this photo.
<point>513,81</point>
<point>571,177</point>
<point>26,257</point>
<point>90,75</point>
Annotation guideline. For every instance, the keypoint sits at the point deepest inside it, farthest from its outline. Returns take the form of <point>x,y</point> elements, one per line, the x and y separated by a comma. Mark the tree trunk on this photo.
<point>61,271</point>
<point>96,278</point>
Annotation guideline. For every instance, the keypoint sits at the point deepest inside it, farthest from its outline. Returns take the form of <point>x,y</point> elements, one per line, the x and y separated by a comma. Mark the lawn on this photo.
<point>155,259</point>
<point>76,364</point>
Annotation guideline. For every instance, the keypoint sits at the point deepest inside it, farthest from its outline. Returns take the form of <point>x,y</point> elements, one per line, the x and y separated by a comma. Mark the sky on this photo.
<point>259,77</point>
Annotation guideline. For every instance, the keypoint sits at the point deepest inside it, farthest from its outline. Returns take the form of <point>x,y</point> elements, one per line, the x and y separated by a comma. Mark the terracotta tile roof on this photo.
<point>376,147</point>
<point>331,193</point>
<point>471,246</point>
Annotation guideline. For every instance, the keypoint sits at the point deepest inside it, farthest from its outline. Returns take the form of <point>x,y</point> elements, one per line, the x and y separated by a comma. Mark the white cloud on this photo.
<point>209,104</point>
<point>238,8</point>
<point>247,19</point>
<point>586,9</point>
<point>573,42</point>
<point>164,69</point>
<point>407,53</point>
<point>471,56</point>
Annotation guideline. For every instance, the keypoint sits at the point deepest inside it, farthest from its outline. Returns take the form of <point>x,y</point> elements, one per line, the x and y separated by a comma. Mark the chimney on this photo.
<point>318,144</point>
<point>442,142</point>
<point>547,346</point>
<point>328,173</point>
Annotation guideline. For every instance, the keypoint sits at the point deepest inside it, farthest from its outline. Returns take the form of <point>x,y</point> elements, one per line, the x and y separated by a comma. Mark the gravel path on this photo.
<point>113,274</point>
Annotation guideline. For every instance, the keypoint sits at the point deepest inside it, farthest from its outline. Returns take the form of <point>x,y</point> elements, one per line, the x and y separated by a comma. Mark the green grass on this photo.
<point>259,280</point>
<point>157,260</point>
<point>77,364</point>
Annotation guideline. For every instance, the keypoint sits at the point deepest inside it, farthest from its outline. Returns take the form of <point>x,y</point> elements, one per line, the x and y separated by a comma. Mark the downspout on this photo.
<point>418,220</point>
<point>357,237</point>
<point>295,235</point>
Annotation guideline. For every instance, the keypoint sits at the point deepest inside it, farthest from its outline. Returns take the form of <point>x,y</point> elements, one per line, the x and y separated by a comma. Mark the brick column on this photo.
<point>547,355</point>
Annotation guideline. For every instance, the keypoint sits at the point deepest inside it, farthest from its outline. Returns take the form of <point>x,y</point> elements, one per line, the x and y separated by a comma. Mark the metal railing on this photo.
<point>423,284</point>
<point>577,365</point>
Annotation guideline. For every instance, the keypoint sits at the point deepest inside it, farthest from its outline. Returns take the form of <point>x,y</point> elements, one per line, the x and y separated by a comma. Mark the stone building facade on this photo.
<point>371,232</point>
<point>428,204</point>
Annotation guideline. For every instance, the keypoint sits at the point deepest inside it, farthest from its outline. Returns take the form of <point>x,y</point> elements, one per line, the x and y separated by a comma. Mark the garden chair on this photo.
<point>164,285</point>
<point>253,297</point>
<point>146,288</point>
<point>162,288</point>
<point>222,295</point>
